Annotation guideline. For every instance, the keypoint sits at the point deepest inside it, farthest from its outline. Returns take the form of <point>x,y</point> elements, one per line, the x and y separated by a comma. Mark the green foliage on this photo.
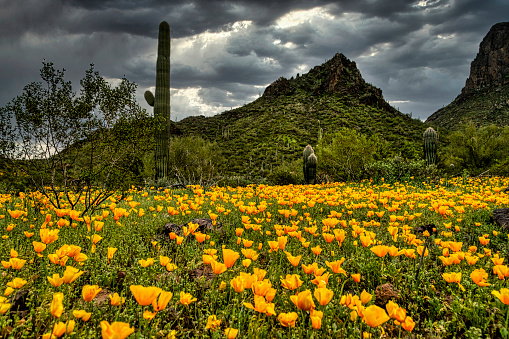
<point>477,149</point>
<point>60,140</point>
<point>344,154</point>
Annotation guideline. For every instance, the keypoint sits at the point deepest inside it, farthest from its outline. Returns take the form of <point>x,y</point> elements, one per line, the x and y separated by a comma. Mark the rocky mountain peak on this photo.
<point>338,76</point>
<point>491,65</point>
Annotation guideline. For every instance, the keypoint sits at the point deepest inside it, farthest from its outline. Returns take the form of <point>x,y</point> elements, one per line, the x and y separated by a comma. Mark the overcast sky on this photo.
<point>224,53</point>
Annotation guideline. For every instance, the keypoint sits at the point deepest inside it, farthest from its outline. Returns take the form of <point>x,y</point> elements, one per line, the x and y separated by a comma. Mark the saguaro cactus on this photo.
<point>430,140</point>
<point>312,162</point>
<point>309,164</point>
<point>161,102</point>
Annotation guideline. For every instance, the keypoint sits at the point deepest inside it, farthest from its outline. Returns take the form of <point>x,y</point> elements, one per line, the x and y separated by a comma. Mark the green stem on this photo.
<point>342,286</point>
<point>506,319</point>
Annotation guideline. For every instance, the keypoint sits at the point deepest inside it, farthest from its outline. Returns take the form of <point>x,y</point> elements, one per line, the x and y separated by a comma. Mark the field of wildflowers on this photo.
<point>333,260</point>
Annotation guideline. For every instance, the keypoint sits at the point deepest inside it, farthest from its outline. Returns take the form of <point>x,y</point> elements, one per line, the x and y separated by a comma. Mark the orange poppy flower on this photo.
<point>261,287</point>
<point>116,330</point>
<point>237,284</point>
<point>200,237</point>
<point>323,295</point>
<point>81,314</point>
<point>479,277</point>
<point>55,280</point>
<point>89,292</point>
<point>229,257</point>
<point>146,263</point>
<point>48,236</point>
<point>212,323</point>
<point>303,300</point>
<point>316,319</point>
<point>291,282</point>
<point>375,316</point>
<point>282,242</point>
<point>162,301</point>
<point>111,252</point>
<point>287,319</point>
<point>408,324</point>
<point>17,263</point>
<point>380,250</point>
<point>60,328</point>
<point>116,300</point>
<point>145,295</point>
<point>231,333</point>
<point>365,297</point>
<point>321,280</point>
<point>218,267</point>
<point>453,277</point>
<point>261,306</point>
<point>316,250</point>
<point>502,295</point>
<point>71,274</point>
<point>186,298</point>
<point>57,307</point>
<point>293,260</point>
<point>250,253</point>
<point>335,266</point>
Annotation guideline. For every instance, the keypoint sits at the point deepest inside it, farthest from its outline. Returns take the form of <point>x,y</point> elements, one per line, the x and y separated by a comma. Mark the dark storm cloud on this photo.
<point>418,52</point>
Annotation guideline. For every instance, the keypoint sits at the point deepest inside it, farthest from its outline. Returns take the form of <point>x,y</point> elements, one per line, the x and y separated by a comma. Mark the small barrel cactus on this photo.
<point>309,164</point>
<point>430,141</point>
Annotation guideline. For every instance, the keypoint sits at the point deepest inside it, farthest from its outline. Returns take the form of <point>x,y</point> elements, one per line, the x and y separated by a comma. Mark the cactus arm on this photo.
<point>149,97</point>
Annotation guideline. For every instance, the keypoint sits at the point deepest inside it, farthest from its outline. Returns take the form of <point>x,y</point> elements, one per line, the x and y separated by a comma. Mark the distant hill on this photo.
<point>485,98</point>
<point>277,126</point>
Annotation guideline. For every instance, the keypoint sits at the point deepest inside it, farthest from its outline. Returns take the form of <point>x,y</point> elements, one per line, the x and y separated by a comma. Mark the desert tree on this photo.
<point>71,146</point>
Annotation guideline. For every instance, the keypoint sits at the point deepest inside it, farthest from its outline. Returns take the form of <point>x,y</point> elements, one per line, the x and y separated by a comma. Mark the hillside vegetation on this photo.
<point>276,127</point>
<point>483,107</point>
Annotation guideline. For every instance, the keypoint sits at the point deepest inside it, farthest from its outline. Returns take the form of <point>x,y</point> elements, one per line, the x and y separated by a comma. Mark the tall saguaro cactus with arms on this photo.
<point>161,102</point>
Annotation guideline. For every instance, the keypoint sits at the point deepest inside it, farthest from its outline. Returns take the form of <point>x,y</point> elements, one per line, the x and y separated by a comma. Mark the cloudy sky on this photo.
<point>224,53</point>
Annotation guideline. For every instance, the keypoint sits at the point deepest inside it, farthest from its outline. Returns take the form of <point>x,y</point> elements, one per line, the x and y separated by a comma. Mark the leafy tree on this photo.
<point>71,146</point>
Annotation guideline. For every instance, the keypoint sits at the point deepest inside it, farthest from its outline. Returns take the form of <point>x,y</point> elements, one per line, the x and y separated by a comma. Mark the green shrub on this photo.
<point>476,149</point>
<point>344,154</point>
<point>399,169</point>
<point>193,161</point>
<point>287,174</point>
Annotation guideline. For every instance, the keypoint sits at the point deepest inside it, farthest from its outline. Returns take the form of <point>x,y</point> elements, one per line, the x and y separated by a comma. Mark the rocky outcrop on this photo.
<point>281,86</point>
<point>491,65</point>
